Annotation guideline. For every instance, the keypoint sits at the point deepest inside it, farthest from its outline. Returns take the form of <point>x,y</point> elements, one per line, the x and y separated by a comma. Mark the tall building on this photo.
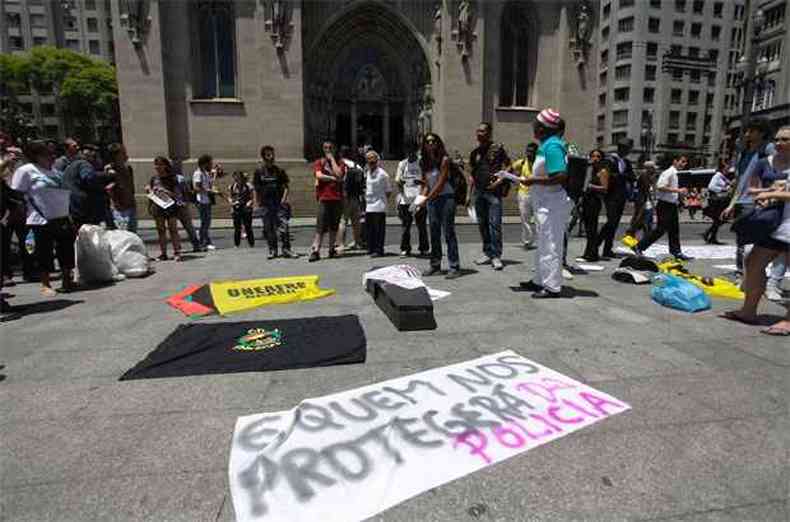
<point>84,26</point>
<point>662,73</point>
<point>225,77</point>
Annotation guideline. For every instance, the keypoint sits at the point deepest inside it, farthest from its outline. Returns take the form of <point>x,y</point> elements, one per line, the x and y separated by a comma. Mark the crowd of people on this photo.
<point>354,194</point>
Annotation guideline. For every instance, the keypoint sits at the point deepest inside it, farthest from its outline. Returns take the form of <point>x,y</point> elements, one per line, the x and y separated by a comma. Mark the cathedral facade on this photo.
<point>224,77</point>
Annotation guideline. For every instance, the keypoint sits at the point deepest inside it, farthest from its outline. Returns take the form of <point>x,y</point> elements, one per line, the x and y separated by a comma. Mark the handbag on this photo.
<point>757,225</point>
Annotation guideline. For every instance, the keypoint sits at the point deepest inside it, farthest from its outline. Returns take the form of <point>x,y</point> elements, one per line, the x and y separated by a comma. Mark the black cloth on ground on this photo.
<point>215,348</point>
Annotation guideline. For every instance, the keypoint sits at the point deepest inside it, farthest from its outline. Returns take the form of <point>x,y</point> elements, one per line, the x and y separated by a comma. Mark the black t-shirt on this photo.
<point>270,184</point>
<point>485,161</point>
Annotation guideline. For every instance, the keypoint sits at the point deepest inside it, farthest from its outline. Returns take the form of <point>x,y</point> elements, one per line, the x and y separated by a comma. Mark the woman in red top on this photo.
<point>329,173</point>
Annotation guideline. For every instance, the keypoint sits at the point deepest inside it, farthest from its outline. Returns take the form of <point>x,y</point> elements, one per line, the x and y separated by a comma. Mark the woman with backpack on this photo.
<point>442,186</point>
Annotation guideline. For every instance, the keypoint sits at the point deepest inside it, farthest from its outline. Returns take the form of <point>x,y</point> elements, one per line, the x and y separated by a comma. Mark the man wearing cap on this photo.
<point>551,204</point>
<point>623,174</point>
<point>485,162</point>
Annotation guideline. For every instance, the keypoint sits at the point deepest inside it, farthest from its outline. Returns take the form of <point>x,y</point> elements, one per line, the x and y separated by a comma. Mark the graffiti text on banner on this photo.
<point>356,453</point>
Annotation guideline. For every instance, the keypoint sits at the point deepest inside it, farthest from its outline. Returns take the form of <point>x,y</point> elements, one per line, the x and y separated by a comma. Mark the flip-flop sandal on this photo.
<point>778,332</point>
<point>48,292</point>
<point>732,316</point>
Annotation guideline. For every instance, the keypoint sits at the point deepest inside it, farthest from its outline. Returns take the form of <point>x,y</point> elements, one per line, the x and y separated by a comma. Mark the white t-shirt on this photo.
<point>410,174</point>
<point>376,189</point>
<point>42,191</point>
<point>204,178</point>
<point>783,232</point>
<point>668,179</point>
<point>719,183</point>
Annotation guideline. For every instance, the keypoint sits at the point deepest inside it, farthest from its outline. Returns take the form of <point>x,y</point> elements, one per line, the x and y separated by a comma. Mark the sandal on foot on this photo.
<point>48,292</point>
<point>163,257</point>
<point>177,258</point>
<point>734,316</point>
<point>775,331</point>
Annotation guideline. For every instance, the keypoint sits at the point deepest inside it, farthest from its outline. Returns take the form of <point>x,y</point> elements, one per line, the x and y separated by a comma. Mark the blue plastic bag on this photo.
<point>679,294</point>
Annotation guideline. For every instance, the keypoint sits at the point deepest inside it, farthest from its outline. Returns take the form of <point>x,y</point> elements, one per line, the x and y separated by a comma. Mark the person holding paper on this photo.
<point>167,197</point>
<point>440,197</point>
<point>523,169</point>
<point>408,178</point>
<point>47,215</point>
<point>551,204</point>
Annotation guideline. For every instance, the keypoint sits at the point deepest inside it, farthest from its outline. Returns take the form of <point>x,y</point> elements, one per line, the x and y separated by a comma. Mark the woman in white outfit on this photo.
<point>550,203</point>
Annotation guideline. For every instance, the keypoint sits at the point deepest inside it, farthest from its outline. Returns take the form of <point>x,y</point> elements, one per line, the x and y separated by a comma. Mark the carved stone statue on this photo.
<point>581,40</point>
<point>437,31</point>
<point>463,33</point>
<point>425,118</point>
<point>280,23</point>
<point>134,15</point>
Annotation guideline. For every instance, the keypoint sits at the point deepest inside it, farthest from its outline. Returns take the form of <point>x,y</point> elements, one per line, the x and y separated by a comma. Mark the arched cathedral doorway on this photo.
<point>364,81</point>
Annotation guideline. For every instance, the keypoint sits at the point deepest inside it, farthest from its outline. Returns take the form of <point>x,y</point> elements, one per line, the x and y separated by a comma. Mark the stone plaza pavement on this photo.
<point>708,437</point>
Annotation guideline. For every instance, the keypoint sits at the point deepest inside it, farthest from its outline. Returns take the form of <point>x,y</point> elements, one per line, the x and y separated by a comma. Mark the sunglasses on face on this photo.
<point>783,138</point>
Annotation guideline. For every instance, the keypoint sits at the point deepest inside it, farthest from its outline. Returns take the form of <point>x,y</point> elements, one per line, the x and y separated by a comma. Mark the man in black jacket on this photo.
<point>622,177</point>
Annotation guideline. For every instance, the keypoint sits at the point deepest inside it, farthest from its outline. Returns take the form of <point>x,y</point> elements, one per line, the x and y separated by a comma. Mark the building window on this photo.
<point>13,19</point>
<point>93,47</point>
<point>38,20</point>
<point>708,121</point>
<point>680,6</point>
<point>626,3</point>
<point>695,76</point>
<point>698,6</point>
<point>617,137</point>
<point>675,50</point>
<point>713,55</point>
<point>605,58</point>
<point>93,25</point>
<point>652,50</point>
<point>622,94</point>
<point>654,25</point>
<point>47,109</point>
<point>674,119</point>
<point>518,56</point>
<point>72,44</point>
<point>693,52</point>
<point>709,100</point>
<point>649,95</point>
<point>602,100</point>
<point>718,9</point>
<point>607,9</point>
<point>715,33</point>
<point>39,41</point>
<point>676,96</point>
<point>677,75</point>
<point>693,97</point>
<point>620,119</point>
<point>626,25</point>
<point>90,5</point>
<point>217,49</point>
<point>677,27</point>
<point>622,72</point>
<point>775,16</point>
<point>650,73</point>
<point>602,79</point>
<point>51,131</point>
<point>655,4</point>
<point>605,33</point>
<point>691,121</point>
<point>696,30</point>
<point>672,138</point>
<point>690,139</point>
<point>625,50</point>
<point>601,124</point>
<point>16,42</point>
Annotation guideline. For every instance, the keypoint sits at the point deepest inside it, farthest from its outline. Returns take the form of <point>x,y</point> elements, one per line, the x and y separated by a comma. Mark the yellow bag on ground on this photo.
<point>714,287</point>
<point>629,241</point>
<point>239,296</point>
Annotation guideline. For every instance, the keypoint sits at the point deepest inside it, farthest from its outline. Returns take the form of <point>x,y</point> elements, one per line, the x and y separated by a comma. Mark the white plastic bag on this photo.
<point>94,259</point>
<point>129,253</point>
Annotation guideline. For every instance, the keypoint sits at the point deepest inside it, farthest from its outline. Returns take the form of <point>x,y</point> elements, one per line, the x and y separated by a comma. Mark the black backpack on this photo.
<point>354,184</point>
<point>458,181</point>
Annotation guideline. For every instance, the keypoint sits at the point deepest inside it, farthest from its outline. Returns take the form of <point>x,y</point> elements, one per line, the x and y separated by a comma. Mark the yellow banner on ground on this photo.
<point>714,287</point>
<point>231,297</point>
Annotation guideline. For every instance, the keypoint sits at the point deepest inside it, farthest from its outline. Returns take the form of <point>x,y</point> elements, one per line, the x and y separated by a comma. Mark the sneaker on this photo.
<point>566,274</point>
<point>584,259</point>
<point>432,271</point>
<point>453,274</point>
<point>682,257</point>
<point>612,255</point>
<point>332,254</point>
<point>485,260</point>
<point>351,246</point>
<point>405,253</point>
<point>424,254</point>
<point>287,254</point>
<point>546,294</point>
<point>210,247</point>
<point>314,256</point>
<point>530,286</point>
<point>271,255</point>
<point>497,264</point>
<point>773,294</point>
<point>375,254</point>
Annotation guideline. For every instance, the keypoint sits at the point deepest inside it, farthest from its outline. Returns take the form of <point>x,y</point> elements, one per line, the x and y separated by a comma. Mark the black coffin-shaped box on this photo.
<point>409,310</point>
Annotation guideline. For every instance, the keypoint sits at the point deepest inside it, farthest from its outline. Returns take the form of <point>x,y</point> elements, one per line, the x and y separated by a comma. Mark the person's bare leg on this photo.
<point>332,238</point>
<point>754,284</point>
<point>161,234</point>
<point>46,284</point>
<point>317,242</point>
<point>172,225</point>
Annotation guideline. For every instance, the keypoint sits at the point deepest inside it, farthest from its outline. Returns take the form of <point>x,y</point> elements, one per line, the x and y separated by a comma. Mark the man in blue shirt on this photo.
<point>89,204</point>
<point>551,204</point>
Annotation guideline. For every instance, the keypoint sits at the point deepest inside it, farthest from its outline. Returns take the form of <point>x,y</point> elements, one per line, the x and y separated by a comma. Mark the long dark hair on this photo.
<point>428,163</point>
<point>166,162</point>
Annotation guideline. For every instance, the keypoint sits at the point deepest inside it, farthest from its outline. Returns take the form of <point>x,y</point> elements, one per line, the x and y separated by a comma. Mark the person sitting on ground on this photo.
<point>47,216</point>
<point>240,199</point>
<point>165,185</point>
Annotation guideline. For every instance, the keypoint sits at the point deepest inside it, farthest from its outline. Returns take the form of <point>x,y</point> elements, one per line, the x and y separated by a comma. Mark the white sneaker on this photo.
<point>566,274</point>
<point>404,253</point>
<point>497,264</point>
<point>773,294</point>
<point>485,260</point>
<point>210,247</point>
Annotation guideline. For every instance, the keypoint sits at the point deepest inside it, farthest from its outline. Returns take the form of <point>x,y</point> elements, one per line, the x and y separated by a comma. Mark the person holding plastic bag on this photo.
<point>47,216</point>
<point>551,204</point>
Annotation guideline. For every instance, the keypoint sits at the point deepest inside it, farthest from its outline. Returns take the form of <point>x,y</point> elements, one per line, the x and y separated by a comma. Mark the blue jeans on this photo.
<point>204,211</point>
<point>488,207</point>
<point>126,219</point>
<point>441,213</point>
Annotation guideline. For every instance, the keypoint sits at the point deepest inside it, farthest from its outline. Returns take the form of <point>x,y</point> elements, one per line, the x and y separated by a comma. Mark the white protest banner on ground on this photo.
<point>347,456</point>
<point>404,276</point>
<point>695,251</point>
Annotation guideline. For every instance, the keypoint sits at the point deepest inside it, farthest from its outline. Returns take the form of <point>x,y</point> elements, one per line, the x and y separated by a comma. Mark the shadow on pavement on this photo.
<point>43,307</point>
<point>568,292</point>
